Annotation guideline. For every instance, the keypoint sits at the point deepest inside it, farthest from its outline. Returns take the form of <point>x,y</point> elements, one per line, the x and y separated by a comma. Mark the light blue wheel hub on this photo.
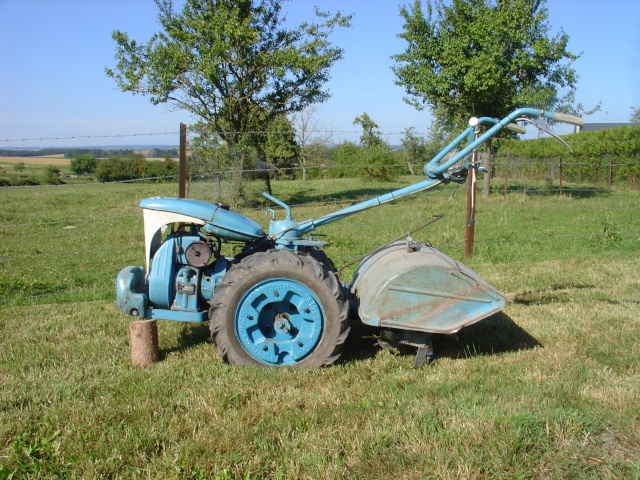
<point>279,321</point>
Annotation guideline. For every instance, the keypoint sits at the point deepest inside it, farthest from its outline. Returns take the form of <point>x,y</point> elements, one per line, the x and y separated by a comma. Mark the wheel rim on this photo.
<point>279,321</point>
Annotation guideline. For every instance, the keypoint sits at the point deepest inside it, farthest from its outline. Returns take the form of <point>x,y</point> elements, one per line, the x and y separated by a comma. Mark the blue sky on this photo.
<point>53,54</point>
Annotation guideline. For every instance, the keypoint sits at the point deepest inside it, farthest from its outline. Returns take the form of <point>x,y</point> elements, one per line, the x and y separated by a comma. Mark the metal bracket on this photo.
<point>424,354</point>
<point>421,340</point>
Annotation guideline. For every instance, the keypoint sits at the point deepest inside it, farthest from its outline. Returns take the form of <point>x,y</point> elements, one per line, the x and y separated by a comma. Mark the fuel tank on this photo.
<point>413,286</point>
<point>217,220</point>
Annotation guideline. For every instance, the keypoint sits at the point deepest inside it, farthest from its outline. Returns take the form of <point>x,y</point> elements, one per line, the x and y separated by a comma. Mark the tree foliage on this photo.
<point>135,167</point>
<point>52,175</point>
<point>237,66</point>
<point>415,149</point>
<point>483,58</point>
<point>83,164</point>
<point>371,136</point>
<point>373,158</point>
<point>635,115</point>
<point>280,147</point>
<point>234,64</point>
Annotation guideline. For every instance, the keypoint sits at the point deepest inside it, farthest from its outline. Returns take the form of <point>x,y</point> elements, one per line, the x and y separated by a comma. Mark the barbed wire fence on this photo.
<point>515,175</point>
<point>554,172</point>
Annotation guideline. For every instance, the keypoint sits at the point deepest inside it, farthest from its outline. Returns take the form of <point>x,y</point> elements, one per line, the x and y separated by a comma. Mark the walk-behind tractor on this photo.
<point>280,302</point>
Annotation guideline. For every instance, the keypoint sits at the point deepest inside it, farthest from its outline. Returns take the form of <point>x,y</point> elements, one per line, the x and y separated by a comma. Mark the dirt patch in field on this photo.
<point>46,160</point>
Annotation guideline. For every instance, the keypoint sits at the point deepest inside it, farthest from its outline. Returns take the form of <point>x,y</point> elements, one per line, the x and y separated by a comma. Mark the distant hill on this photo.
<point>97,151</point>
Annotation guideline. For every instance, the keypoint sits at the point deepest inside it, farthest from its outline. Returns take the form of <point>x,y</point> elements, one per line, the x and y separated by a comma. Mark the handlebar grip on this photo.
<point>566,118</point>
<point>514,127</point>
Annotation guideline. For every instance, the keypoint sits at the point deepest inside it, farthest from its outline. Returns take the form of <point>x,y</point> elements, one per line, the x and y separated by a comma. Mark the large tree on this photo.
<point>236,65</point>
<point>483,58</point>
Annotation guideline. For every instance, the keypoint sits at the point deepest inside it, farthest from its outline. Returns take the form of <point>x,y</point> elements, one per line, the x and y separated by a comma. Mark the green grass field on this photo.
<point>549,388</point>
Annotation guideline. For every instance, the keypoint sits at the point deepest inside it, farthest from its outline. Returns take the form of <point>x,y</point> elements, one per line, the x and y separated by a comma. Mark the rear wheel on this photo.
<point>279,308</point>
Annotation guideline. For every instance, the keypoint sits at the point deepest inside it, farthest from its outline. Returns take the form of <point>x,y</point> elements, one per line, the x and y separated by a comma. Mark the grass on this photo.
<point>547,389</point>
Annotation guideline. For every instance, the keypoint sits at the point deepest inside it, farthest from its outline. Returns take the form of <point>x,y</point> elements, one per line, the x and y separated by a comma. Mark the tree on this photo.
<point>83,164</point>
<point>483,58</point>
<point>311,135</point>
<point>370,134</point>
<point>280,147</point>
<point>234,64</point>
<point>415,148</point>
<point>635,115</point>
<point>374,157</point>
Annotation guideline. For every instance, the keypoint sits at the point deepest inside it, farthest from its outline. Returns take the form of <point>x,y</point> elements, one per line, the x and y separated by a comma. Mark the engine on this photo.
<point>181,280</point>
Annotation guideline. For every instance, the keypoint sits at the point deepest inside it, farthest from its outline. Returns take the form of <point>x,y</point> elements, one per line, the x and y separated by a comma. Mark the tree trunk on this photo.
<point>144,342</point>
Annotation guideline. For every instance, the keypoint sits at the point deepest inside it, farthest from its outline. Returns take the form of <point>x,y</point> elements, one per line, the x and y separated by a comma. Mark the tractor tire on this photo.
<point>279,308</point>
<point>322,258</point>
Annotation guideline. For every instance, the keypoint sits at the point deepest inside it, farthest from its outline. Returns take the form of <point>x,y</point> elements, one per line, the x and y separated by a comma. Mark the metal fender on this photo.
<point>416,287</point>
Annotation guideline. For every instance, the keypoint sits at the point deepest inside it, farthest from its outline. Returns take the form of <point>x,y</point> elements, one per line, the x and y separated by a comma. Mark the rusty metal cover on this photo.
<point>420,288</point>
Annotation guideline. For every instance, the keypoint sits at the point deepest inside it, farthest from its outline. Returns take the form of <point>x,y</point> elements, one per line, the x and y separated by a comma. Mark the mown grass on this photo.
<point>547,389</point>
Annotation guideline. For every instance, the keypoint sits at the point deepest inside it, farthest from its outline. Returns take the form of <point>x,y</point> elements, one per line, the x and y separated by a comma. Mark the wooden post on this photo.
<point>183,161</point>
<point>471,204</point>
<point>560,165</point>
<point>506,174</point>
<point>144,342</point>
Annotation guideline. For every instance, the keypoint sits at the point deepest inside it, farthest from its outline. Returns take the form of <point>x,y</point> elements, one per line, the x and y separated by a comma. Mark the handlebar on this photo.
<point>436,170</point>
<point>514,127</point>
<point>566,118</point>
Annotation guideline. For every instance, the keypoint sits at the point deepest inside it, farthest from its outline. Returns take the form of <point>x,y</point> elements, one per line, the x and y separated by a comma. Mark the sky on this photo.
<point>54,91</point>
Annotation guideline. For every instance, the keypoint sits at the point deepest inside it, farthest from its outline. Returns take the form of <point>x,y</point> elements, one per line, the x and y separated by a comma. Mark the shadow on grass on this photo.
<point>494,335</point>
<point>491,336</point>
<point>191,334</point>
<point>571,191</point>
<point>555,293</point>
<point>360,194</point>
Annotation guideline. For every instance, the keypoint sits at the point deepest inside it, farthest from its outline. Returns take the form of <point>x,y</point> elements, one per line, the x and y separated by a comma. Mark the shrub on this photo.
<point>84,164</point>
<point>52,175</point>
<point>133,167</point>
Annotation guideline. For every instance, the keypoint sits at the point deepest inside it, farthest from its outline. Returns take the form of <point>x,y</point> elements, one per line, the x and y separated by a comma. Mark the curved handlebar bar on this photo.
<point>436,170</point>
